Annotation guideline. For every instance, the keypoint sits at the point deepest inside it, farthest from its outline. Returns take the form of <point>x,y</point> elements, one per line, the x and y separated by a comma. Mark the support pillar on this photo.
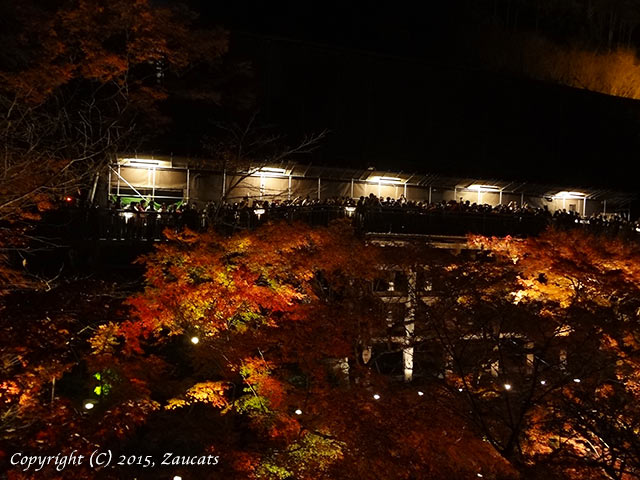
<point>530,358</point>
<point>409,327</point>
<point>494,368</point>
<point>224,183</point>
<point>188,186</point>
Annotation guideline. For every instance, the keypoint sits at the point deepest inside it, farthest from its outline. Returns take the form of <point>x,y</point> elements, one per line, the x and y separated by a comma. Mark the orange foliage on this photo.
<point>80,40</point>
<point>587,287</point>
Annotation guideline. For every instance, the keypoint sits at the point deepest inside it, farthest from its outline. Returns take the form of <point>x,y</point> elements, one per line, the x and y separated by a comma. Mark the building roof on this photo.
<point>615,198</point>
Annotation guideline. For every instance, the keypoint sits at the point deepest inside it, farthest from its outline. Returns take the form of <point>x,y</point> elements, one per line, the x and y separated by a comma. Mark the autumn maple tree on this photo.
<point>575,297</point>
<point>77,78</point>
<point>80,81</point>
<point>250,347</point>
<point>536,338</point>
<point>258,315</point>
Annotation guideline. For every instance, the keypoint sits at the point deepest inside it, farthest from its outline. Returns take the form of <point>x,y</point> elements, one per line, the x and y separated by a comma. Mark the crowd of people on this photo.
<point>147,220</point>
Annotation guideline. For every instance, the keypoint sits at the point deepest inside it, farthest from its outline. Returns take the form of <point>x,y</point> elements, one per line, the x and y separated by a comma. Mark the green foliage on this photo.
<point>104,386</point>
<point>310,456</point>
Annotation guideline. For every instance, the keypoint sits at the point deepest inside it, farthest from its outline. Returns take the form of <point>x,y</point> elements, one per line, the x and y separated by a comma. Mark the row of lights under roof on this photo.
<point>278,172</point>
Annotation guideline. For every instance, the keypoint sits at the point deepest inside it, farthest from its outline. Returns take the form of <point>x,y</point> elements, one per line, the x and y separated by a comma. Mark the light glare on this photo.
<point>385,180</point>
<point>484,188</point>
<point>145,162</point>
<point>570,195</point>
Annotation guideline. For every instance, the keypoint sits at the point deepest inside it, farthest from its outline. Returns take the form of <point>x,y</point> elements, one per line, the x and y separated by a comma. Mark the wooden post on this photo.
<point>409,327</point>
<point>188,186</point>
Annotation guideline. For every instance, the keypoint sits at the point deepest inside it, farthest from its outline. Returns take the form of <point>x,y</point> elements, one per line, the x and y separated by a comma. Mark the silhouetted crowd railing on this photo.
<point>368,214</point>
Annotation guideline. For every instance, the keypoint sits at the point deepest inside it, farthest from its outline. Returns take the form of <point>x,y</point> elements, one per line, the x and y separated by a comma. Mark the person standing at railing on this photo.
<point>130,214</point>
<point>151,214</point>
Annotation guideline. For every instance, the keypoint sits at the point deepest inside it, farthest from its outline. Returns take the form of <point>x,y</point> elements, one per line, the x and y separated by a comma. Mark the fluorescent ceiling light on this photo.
<point>273,170</point>
<point>573,195</point>
<point>269,172</point>
<point>484,188</point>
<point>144,162</point>
<point>387,180</point>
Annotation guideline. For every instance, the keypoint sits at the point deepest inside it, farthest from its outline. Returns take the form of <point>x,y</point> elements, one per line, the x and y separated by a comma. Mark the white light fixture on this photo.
<point>298,411</point>
<point>281,171</point>
<point>177,477</point>
<point>484,188</point>
<point>507,386</point>
<point>195,340</point>
<point>420,393</point>
<point>89,405</point>
<point>460,389</point>
<point>543,382</point>
<point>376,396</point>
<point>385,180</point>
<point>576,380</point>
<point>144,162</point>
<point>570,195</point>
<point>269,172</point>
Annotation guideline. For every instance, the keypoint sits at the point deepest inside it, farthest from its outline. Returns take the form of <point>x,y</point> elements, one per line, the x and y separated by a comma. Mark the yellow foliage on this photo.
<point>211,393</point>
<point>105,339</point>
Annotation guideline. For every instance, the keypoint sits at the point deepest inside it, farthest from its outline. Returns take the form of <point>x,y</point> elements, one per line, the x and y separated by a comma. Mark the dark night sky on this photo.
<point>390,85</point>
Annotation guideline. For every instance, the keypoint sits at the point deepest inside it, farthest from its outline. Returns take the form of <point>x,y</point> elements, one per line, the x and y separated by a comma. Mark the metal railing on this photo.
<point>103,224</point>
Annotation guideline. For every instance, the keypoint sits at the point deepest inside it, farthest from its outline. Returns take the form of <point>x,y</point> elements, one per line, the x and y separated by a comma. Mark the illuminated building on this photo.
<point>169,179</point>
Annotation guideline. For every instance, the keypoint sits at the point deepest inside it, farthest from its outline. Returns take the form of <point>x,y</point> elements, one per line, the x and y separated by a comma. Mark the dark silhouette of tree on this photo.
<point>239,150</point>
<point>77,79</point>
